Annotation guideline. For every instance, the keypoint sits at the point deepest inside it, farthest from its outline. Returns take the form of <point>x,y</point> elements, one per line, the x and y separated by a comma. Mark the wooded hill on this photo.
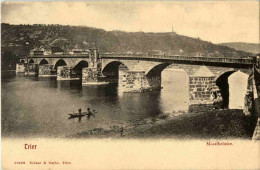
<point>248,47</point>
<point>18,40</point>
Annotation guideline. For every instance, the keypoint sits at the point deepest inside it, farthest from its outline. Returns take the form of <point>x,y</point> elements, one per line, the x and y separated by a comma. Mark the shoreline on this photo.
<point>210,124</point>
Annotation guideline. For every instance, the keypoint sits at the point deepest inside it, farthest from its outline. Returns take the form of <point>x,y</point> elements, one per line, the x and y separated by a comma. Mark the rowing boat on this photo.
<point>75,115</point>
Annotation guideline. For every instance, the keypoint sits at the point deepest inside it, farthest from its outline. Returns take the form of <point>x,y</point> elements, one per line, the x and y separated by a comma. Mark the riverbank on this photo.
<point>203,124</point>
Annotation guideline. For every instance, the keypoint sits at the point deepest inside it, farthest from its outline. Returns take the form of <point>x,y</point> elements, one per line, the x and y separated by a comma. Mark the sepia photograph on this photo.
<point>98,84</point>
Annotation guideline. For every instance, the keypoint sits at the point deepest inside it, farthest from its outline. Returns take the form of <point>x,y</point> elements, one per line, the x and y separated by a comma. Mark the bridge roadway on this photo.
<point>244,62</point>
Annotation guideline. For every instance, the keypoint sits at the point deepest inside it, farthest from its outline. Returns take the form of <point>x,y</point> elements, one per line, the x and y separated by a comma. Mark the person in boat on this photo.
<point>79,111</point>
<point>89,113</point>
<point>122,131</point>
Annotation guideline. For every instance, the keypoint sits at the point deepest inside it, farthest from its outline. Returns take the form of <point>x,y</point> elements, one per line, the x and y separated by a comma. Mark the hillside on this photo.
<point>18,40</point>
<point>248,47</point>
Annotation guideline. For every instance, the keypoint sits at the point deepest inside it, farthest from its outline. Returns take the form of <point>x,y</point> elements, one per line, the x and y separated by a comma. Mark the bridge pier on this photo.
<point>202,87</point>
<point>137,81</point>
<point>134,81</point>
<point>155,82</point>
<point>66,73</point>
<point>47,70</point>
<point>31,69</point>
<point>92,76</point>
<point>202,90</point>
<point>20,68</point>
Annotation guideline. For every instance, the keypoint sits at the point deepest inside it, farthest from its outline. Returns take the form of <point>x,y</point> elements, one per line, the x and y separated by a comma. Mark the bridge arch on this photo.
<point>60,62</point>
<point>43,61</point>
<point>31,61</point>
<point>221,73</point>
<point>229,80</point>
<point>112,69</point>
<point>157,78</point>
<point>78,67</point>
<point>157,70</point>
<point>223,85</point>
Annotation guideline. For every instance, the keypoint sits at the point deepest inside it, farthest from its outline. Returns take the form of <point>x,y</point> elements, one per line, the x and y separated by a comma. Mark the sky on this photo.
<point>215,21</point>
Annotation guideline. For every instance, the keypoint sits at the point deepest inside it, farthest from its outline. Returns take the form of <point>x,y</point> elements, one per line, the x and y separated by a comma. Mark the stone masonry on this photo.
<point>202,87</point>
<point>202,90</point>
<point>134,81</point>
<point>154,82</point>
<point>66,73</point>
<point>47,70</point>
<point>31,69</point>
<point>20,68</point>
<point>92,75</point>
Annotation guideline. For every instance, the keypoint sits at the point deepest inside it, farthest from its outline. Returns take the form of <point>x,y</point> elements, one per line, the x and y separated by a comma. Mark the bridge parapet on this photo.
<point>61,56</point>
<point>182,57</point>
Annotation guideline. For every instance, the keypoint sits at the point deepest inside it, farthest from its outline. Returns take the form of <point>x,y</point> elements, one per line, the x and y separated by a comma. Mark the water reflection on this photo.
<point>174,96</point>
<point>238,89</point>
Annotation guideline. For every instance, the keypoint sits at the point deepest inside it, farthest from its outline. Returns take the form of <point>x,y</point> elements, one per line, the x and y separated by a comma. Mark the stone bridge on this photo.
<point>208,77</point>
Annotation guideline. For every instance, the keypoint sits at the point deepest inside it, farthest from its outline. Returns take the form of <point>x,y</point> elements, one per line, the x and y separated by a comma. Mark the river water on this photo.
<point>38,107</point>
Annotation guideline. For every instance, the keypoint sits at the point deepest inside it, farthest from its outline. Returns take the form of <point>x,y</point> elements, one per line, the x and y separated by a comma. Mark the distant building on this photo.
<point>37,51</point>
<point>199,54</point>
<point>57,50</point>
<point>155,52</point>
<point>79,51</point>
<point>46,50</point>
<point>139,53</point>
<point>129,52</point>
<point>210,55</point>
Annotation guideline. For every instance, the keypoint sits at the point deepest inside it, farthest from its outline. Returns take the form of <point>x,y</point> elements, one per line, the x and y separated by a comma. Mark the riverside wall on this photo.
<point>256,102</point>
